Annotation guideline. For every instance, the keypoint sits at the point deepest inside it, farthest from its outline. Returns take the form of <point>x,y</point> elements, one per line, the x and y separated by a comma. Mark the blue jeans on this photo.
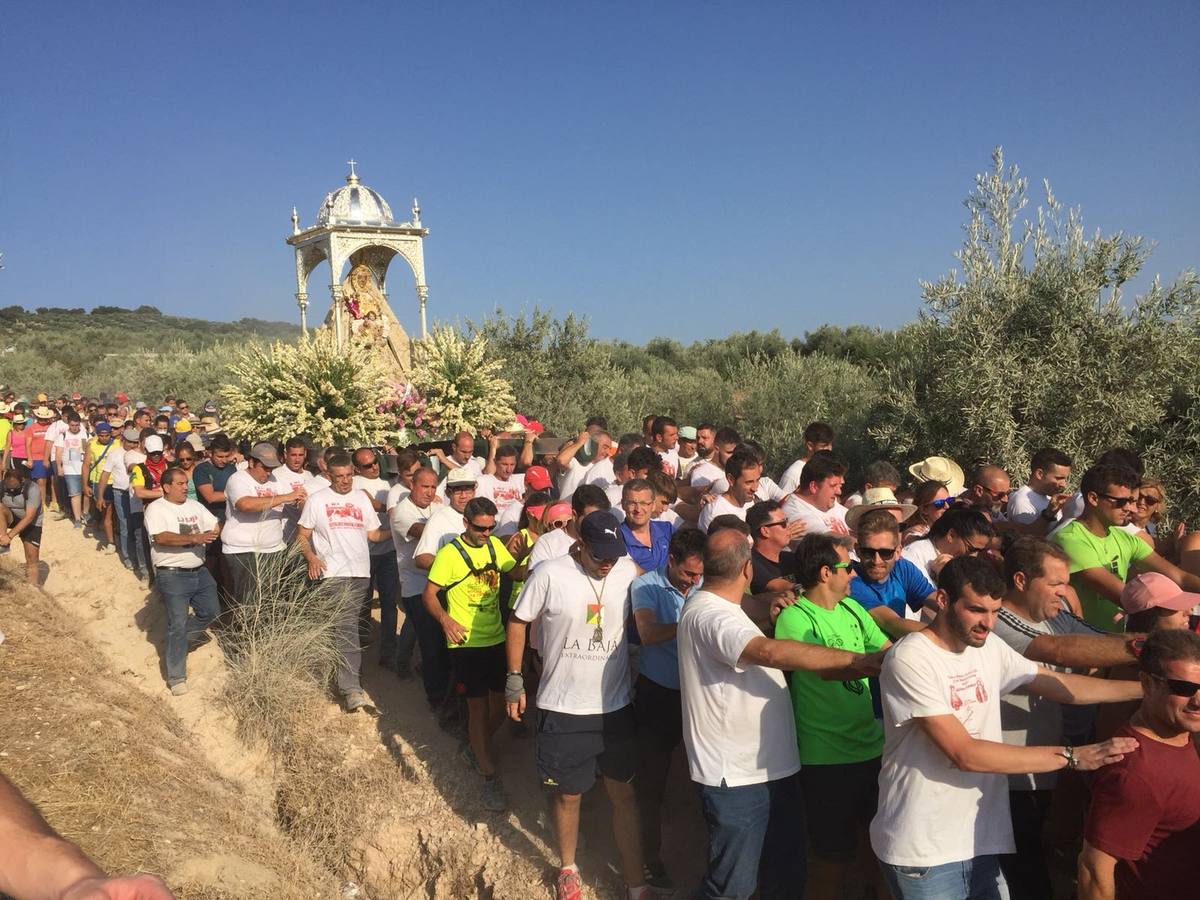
<point>385,578</point>
<point>121,511</point>
<point>129,510</point>
<point>753,835</point>
<point>971,879</point>
<point>181,588</point>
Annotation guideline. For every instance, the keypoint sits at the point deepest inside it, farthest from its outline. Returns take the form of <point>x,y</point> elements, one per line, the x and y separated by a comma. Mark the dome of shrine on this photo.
<point>354,204</point>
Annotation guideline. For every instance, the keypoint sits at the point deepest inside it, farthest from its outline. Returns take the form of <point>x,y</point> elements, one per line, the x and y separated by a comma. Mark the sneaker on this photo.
<point>569,885</point>
<point>655,874</point>
<point>356,700</point>
<point>77,524</point>
<point>467,755</point>
<point>179,688</point>
<point>493,795</point>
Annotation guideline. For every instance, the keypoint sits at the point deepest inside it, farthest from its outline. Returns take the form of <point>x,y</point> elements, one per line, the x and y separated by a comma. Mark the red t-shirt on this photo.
<point>1146,812</point>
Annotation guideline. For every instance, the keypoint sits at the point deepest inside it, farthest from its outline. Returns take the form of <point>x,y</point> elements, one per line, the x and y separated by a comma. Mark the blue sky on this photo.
<point>688,169</point>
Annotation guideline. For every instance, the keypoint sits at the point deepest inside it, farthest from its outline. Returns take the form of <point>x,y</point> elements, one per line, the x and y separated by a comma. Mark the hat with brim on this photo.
<point>878,498</point>
<point>43,412</point>
<point>131,434</point>
<point>547,443</point>
<point>103,428</point>
<point>940,468</point>
<point>265,453</point>
<point>194,441</point>
<point>538,478</point>
<point>154,444</point>
<point>600,533</point>
<point>460,478</point>
<point>1152,590</point>
<point>687,433</point>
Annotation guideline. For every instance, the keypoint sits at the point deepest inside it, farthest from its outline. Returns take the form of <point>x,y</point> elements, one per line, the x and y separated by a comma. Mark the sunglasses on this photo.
<point>884,553</point>
<point>942,503</point>
<point>367,465</point>
<point>482,529</point>
<point>842,565</point>
<point>780,524</point>
<point>1118,502</point>
<point>1178,687</point>
<point>559,523</point>
<point>1143,500</point>
<point>972,550</point>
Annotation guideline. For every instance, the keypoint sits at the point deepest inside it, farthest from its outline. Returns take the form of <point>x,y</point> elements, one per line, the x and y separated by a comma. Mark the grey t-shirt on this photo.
<point>1034,721</point>
<point>19,503</point>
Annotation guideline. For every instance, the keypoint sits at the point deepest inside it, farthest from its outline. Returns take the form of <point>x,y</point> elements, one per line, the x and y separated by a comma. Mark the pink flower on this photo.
<point>418,420</point>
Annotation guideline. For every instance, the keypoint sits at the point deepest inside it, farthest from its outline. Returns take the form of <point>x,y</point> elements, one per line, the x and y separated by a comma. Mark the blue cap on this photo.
<point>103,428</point>
<point>600,532</point>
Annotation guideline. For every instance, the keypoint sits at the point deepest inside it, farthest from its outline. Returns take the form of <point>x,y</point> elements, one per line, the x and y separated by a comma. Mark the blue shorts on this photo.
<point>74,485</point>
<point>38,469</point>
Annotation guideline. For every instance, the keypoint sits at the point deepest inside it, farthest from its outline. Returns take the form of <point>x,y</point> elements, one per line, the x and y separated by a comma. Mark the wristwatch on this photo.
<point>1068,753</point>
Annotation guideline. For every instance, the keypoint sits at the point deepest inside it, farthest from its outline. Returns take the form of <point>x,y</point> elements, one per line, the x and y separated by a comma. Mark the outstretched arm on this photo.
<point>37,864</point>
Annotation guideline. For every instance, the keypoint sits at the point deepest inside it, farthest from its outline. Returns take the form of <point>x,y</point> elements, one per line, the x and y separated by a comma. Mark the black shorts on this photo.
<point>838,799</point>
<point>478,670</point>
<point>571,748</point>
<point>659,712</point>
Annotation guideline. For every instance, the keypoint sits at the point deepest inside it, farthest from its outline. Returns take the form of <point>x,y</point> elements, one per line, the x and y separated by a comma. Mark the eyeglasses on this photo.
<point>1143,500</point>
<point>1118,502</point>
<point>559,523</point>
<point>1178,687</point>
<point>884,553</point>
<point>482,529</point>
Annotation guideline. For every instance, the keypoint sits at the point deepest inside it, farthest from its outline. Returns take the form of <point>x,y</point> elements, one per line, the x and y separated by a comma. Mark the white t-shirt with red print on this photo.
<point>339,524</point>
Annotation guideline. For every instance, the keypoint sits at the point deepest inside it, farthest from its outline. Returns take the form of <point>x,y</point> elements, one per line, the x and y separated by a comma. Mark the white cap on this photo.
<point>154,444</point>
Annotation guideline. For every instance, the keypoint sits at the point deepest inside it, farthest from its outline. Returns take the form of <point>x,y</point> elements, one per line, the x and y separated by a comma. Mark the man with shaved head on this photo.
<point>988,491</point>
<point>739,731</point>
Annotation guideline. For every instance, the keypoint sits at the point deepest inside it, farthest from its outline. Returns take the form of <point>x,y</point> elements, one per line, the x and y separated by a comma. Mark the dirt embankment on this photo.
<point>353,805</point>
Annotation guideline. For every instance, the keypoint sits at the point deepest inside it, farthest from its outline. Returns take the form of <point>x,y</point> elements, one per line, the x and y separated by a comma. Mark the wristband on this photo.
<point>1068,753</point>
<point>514,687</point>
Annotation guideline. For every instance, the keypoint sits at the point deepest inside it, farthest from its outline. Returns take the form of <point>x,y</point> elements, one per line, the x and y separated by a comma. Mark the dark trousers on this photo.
<point>385,580</point>
<point>659,714</point>
<point>755,840</point>
<point>245,571</point>
<point>435,657</point>
<point>1025,871</point>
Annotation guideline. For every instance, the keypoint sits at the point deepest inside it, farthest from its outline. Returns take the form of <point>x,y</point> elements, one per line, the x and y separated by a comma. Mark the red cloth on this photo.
<point>1146,812</point>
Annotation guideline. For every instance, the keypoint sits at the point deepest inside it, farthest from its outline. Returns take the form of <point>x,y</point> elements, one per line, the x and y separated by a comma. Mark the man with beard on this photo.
<point>888,586</point>
<point>943,818</point>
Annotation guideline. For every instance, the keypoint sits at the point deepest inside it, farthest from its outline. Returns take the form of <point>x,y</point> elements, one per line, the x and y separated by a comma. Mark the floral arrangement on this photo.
<point>408,414</point>
<point>461,386</point>
<point>308,387</point>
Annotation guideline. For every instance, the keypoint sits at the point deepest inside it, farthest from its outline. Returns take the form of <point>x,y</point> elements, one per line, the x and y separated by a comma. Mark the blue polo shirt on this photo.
<point>655,556</point>
<point>906,585</point>
<point>654,591</point>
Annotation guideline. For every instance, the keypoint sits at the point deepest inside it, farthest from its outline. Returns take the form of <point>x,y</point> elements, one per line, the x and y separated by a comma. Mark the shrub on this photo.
<point>461,382</point>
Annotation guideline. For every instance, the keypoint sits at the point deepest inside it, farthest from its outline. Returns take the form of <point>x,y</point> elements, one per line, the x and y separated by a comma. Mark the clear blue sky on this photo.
<point>666,168</point>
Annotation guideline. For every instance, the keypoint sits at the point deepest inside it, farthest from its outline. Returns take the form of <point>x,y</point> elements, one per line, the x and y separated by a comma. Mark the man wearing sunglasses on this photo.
<point>890,588</point>
<point>1142,836</point>
<point>943,817</point>
<point>987,491</point>
<point>1102,552</point>
<point>837,734</point>
<point>463,595</point>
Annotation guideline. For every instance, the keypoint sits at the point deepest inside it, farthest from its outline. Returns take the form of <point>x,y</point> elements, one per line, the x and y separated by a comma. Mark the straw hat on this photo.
<point>44,412</point>
<point>877,498</point>
<point>940,468</point>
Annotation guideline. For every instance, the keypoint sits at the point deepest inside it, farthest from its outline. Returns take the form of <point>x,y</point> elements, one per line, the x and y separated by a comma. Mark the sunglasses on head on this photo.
<point>884,553</point>
<point>1178,687</point>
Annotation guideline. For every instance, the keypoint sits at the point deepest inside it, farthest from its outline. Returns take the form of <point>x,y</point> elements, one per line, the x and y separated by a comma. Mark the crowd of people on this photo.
<point>938,684</point>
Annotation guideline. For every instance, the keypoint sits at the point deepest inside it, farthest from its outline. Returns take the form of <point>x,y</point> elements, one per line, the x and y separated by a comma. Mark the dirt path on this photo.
<point>127,623</point>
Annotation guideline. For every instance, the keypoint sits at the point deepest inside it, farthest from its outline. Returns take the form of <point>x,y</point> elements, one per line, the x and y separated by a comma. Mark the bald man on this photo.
<point>988,491</point>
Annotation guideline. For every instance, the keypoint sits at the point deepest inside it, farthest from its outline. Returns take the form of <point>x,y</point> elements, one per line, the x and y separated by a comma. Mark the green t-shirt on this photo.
<point>473,598</point>
<point>1114,552</point>
<point>835,722</point>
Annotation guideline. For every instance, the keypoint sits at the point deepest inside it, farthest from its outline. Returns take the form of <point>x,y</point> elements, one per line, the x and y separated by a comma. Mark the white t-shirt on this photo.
<point>722,506</point>
<point>790,479</point>
<point>600,473</point>
<point>766,490</point>
<point>553,544</point>
<point>69,451</point>
<point>188,517</point>
<point>132,458</point>
<point>286,481</point>
<point>396,493</point>
<point>816,521</point>
<point>444,524</point>
<point>114,465</point>
<point>503,493</point>
<point>508,520</point>
<point>250,532</point>
<point>1026,504</point>
<point>670,460</point>
<point>571,478</point>
<point>403,516</point>
<point>580,675</point>
<point>921,553</point>
<point>706,473</point>
<point>931,813</point>
<point>53,430</point>
<point>339,524</point>
<point>738,725</point>
<point>378,489</point>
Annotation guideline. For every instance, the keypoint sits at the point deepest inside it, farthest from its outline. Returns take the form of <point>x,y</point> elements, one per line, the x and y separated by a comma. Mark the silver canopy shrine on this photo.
<point>355,225</point>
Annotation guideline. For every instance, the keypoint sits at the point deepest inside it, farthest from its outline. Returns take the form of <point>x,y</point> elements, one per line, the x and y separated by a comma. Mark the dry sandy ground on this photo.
<point>441,843</point>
